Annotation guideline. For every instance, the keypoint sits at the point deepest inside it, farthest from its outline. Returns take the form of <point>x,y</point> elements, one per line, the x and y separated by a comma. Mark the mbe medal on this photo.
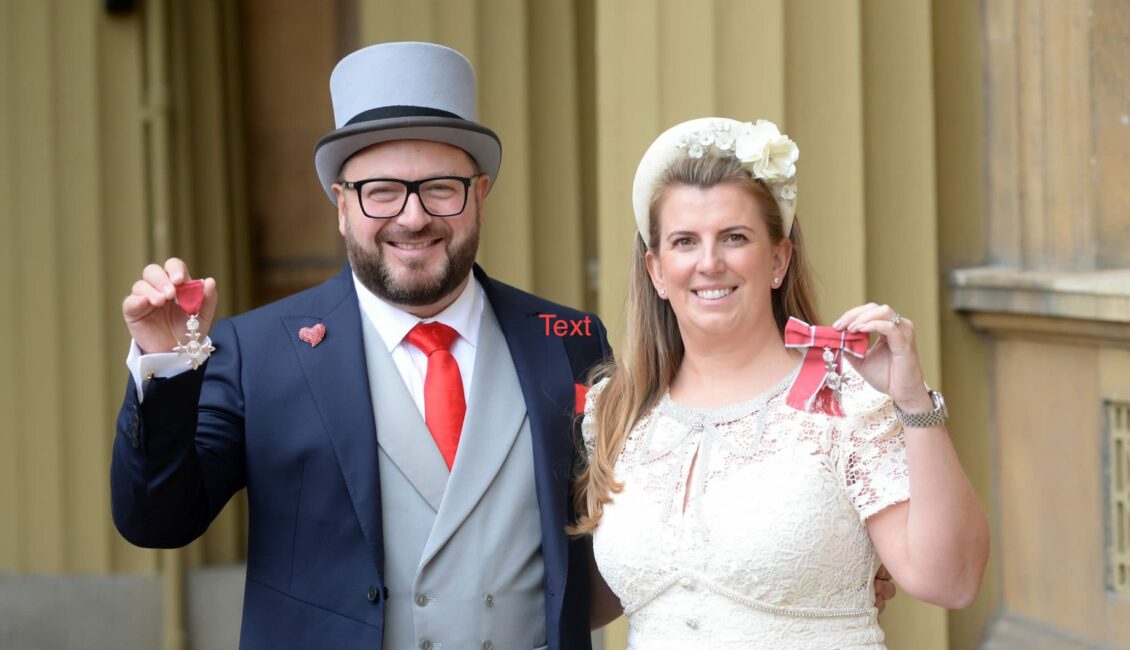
<point>820,383</point>
<point>190,297</point>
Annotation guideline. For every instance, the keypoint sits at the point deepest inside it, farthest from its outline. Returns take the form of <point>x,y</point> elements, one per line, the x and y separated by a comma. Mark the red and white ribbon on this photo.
<point>816,387</point>
<point>190,297</point>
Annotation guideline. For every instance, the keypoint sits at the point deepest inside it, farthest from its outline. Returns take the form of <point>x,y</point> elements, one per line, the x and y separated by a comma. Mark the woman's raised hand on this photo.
<point>891,365</point>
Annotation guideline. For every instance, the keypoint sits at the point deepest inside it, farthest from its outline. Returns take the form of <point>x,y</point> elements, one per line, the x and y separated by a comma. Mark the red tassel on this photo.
<point>809,391</point>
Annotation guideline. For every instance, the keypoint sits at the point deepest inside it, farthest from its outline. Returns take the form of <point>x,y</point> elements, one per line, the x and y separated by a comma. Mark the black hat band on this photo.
<point>388,112</point>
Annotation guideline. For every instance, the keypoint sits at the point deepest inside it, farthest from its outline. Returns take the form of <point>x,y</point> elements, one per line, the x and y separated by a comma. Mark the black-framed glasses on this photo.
<point>385,198</point>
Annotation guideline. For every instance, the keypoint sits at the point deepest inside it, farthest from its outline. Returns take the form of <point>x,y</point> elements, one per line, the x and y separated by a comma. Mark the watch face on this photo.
<point>939,403</point>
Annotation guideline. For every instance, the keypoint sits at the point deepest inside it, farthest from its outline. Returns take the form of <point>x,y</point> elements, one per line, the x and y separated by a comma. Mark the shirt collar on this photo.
<point>393,323</point>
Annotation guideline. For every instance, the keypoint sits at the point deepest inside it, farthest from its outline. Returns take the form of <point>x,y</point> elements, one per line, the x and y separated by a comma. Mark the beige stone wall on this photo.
<point>959,99</point>
<point>1054,310</point>
<point>118,145</point>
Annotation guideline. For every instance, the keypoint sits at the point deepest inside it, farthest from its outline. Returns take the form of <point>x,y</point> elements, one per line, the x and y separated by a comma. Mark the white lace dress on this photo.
<point>771,550</point>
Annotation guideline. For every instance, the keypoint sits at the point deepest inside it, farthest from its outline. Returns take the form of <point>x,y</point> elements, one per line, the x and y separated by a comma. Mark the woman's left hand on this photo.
<point>891,365</point>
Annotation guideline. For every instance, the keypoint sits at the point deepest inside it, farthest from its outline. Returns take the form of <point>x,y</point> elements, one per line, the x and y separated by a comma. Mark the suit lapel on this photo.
<point>546,378</point>
<point>336,375</point>
<point>493,421</point>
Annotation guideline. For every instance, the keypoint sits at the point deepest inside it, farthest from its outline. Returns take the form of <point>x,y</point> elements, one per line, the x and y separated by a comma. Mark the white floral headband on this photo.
<point>769,155</point>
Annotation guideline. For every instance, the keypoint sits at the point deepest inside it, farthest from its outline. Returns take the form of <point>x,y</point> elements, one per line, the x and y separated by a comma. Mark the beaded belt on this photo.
<point>687,579</point>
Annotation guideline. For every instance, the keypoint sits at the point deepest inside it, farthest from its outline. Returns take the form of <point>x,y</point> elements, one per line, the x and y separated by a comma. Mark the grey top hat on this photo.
<point>404,91</point>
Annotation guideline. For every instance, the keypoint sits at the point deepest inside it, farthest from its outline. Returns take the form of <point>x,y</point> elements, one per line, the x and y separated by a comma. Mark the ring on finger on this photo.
<point>896,319</point>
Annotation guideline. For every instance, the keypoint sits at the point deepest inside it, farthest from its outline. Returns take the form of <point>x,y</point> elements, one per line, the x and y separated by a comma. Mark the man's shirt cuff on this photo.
<point>144,367</point>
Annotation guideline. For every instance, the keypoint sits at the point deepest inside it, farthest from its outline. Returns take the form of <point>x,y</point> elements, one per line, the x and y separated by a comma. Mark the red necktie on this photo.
<point>444,404</point>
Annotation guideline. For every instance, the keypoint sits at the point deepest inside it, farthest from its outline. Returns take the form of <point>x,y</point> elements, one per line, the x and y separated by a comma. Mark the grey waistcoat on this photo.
<point>463,560</point>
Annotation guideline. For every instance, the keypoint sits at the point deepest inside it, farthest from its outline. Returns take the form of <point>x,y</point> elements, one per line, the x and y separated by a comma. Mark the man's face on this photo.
<point>416,261</point>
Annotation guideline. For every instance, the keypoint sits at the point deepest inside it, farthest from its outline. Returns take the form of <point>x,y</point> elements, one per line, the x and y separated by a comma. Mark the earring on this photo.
<point>776,281</point>
<point>663,292</point>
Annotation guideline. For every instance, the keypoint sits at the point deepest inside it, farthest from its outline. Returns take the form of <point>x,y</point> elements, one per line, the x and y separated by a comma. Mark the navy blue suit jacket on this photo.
<point>294,425</point>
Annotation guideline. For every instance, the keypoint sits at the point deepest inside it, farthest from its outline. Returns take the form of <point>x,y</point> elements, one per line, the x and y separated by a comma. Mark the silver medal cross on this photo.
<point>197,352</point>
<point>831,376</point>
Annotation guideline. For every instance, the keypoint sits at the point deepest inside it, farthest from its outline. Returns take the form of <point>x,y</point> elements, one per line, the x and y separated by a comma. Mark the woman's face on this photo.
<point>715,259</point>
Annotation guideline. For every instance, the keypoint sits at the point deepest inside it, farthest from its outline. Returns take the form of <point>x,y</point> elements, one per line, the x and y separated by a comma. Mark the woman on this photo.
<point>722,516</point>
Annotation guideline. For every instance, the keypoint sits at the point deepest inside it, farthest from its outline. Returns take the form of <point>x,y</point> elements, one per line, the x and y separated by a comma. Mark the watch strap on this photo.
<point>929,418</point>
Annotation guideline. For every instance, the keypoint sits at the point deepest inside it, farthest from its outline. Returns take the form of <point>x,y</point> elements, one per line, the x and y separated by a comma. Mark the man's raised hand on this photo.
<point>154,320</point>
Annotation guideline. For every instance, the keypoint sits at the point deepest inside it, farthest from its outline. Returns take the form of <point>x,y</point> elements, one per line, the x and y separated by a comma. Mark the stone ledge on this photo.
<point>117,611</point>
<point>88,611</point>
<point>1094,295</point>
<point>1014,632</point>
<point>1074,307</point>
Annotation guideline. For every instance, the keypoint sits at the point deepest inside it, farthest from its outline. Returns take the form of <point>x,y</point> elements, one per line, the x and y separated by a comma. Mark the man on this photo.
<point>408,482</point>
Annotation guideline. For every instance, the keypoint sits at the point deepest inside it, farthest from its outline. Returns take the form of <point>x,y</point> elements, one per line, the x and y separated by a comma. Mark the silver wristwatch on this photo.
<point>927,419</point>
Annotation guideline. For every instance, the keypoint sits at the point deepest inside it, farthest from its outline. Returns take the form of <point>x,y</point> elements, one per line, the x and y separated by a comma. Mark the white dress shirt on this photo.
<point>391,323</point>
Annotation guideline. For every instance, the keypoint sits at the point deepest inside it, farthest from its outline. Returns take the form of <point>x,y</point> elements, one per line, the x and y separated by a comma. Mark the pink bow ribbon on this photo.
<point>816,387</point>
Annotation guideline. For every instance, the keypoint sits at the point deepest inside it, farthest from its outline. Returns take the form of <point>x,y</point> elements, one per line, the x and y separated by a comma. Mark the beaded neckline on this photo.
<point>695,415</point>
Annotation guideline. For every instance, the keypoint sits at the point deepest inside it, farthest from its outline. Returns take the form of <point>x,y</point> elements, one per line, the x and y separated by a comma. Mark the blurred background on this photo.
<point>964,160</point>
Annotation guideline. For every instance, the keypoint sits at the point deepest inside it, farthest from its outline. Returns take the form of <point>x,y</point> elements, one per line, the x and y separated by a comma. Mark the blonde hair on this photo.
<point>652,349</point>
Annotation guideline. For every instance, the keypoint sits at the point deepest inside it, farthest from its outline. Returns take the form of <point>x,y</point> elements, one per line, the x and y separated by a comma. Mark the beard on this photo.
<point>416,284</point>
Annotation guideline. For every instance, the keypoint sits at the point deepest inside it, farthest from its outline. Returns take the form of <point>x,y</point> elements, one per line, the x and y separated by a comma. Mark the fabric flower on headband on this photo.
<point>769,155</point>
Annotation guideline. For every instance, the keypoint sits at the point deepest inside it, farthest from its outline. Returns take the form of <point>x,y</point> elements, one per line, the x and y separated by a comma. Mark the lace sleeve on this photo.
<point>869,448</point>
<point>588,424</point>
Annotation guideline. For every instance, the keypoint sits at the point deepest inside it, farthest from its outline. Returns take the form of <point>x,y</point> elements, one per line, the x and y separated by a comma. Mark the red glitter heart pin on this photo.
<point>313,335</point>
